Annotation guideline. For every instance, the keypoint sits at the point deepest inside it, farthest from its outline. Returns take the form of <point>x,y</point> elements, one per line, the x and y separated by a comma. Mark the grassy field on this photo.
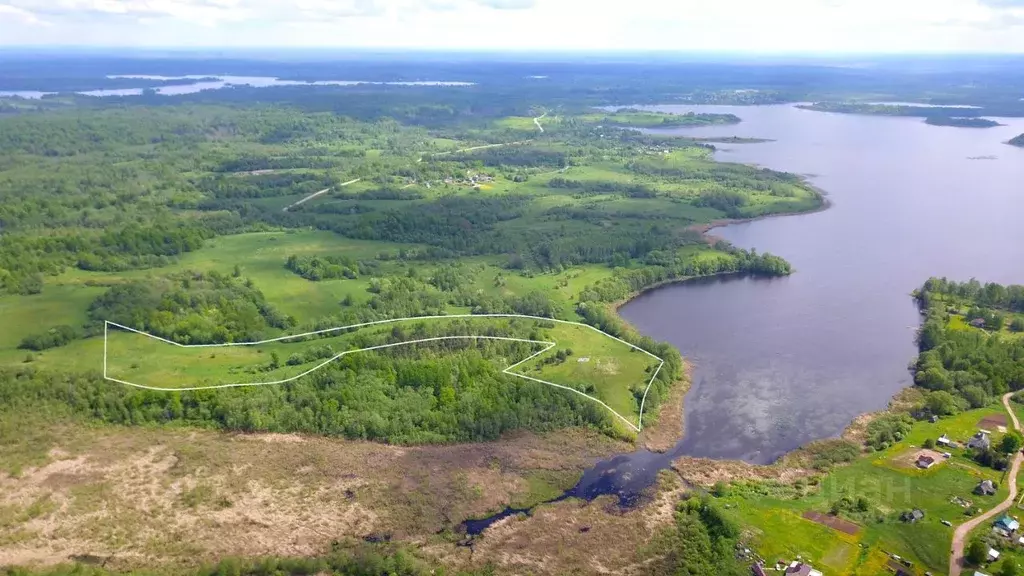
<point>891,485</point>
<point>599,366</point>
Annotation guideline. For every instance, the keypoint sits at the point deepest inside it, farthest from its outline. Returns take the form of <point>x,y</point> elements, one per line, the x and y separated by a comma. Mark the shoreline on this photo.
<point>664,436</point>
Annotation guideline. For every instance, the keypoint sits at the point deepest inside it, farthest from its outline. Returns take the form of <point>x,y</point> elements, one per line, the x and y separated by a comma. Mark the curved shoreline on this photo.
<point>675,410</point>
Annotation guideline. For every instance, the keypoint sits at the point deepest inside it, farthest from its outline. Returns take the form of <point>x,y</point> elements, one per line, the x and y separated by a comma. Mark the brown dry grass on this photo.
<point>178,497</point>
<point>706,472</point>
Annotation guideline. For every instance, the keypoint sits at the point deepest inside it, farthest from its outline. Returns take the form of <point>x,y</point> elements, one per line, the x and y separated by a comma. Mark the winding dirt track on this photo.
<point>956,556</point>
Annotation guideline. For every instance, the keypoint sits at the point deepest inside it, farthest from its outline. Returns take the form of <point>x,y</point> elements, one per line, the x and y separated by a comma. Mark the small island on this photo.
<point>933,115</point>
<point>1018,141</point>
<point>632,117</point>
<point>961,122</point>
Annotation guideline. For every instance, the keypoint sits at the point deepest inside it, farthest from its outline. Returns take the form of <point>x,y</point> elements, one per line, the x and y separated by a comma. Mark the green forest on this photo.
<point>114,213</point>
<point>971,342</point>
<point>234,217</point>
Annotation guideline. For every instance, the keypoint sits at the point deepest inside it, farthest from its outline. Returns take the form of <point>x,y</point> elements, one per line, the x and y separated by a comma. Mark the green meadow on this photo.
<point>890,484</point>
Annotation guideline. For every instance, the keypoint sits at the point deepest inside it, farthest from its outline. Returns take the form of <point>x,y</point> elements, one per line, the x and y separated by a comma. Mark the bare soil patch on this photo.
<point>908,458</point>
<point>833,522</point>
<point>993,422</point>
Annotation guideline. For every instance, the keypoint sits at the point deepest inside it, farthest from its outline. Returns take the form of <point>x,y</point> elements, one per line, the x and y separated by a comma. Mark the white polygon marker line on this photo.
<point>549,346</point>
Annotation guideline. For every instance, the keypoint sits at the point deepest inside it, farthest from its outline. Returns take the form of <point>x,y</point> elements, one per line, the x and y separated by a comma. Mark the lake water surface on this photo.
<point>214,82</point>
<point>781,362</point>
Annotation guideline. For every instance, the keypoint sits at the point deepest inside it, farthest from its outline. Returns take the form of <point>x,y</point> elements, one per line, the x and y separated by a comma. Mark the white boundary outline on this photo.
<point>549,345</point>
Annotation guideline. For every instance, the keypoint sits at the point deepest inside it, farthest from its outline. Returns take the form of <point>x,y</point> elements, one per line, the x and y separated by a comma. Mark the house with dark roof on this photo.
<point>925,462</point>
<point>912,516</point>
<point>980,441</point>
<point>985,488</point>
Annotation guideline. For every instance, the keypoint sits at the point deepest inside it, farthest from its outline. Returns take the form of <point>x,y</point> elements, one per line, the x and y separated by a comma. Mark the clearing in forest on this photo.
<point>571,356</point>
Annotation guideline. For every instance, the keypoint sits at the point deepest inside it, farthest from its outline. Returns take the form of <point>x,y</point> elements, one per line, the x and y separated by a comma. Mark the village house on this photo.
<point>925,462</point>
<point>985,488</point>
<point>993,554</point>
<point>1007,523</point>
<point>943,440</point>
<point>801,569</point>
<point>978,322</point>
<point>912,516</point>
<point>980,441</point>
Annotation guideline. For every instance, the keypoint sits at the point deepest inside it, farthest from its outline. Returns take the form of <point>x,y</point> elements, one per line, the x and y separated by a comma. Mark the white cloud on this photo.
<point>730,25</point>
<point>18,14</point>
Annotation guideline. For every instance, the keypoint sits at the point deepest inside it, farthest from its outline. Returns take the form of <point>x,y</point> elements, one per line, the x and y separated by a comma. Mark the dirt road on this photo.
<point>956,556</point>
<point>537,122</point>
<point>315,194</point>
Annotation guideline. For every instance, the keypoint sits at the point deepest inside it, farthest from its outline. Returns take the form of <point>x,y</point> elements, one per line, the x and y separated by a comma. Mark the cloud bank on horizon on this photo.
<point>721,25</point>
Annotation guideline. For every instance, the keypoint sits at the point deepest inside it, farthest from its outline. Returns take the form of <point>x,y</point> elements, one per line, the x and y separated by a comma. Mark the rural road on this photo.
<point>315,194</point>
<point>537,122</point>
<point>964,530</point>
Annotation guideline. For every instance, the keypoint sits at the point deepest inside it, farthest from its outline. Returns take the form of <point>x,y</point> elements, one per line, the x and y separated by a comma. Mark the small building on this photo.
<point>758,569</point>
<point>976,573</point>
<point>933,419</point>
<point>985,488</point>
<point>978,323</point>
<point>801,569</point>
<point>943,440</point>
<point>1007,523</point>
<point>912,516</point>
<point>980,441</point>
<point>925,462</point>
<point>993,554</point>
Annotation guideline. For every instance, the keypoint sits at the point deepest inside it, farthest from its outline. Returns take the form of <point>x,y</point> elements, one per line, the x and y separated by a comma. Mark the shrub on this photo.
<point>52,338</point>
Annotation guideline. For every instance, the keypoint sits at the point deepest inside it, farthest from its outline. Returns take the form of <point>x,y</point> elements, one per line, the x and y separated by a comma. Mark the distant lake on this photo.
<point>781,362</point>
<point>203,82</point>
<point>920,105</point>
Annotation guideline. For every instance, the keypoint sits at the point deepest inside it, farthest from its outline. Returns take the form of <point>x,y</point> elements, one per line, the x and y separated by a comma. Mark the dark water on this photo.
<point>781,362</point>
<point>624,476</point>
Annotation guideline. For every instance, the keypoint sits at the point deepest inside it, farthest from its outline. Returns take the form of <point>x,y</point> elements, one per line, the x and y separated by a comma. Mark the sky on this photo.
<point>776,26</point>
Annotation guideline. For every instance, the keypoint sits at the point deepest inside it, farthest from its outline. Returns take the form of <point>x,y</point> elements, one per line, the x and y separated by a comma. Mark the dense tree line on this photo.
<point>52,338</point>
<point>965,368</point>
<point>190,308</point>
<point>326,267</point>
<point>582,188</point>
<point>450,392</point>
<point>701,542</point>
<point>991,295</point>
<point>520,156</point>
<point>264,185</point>
<point>24,260</point>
